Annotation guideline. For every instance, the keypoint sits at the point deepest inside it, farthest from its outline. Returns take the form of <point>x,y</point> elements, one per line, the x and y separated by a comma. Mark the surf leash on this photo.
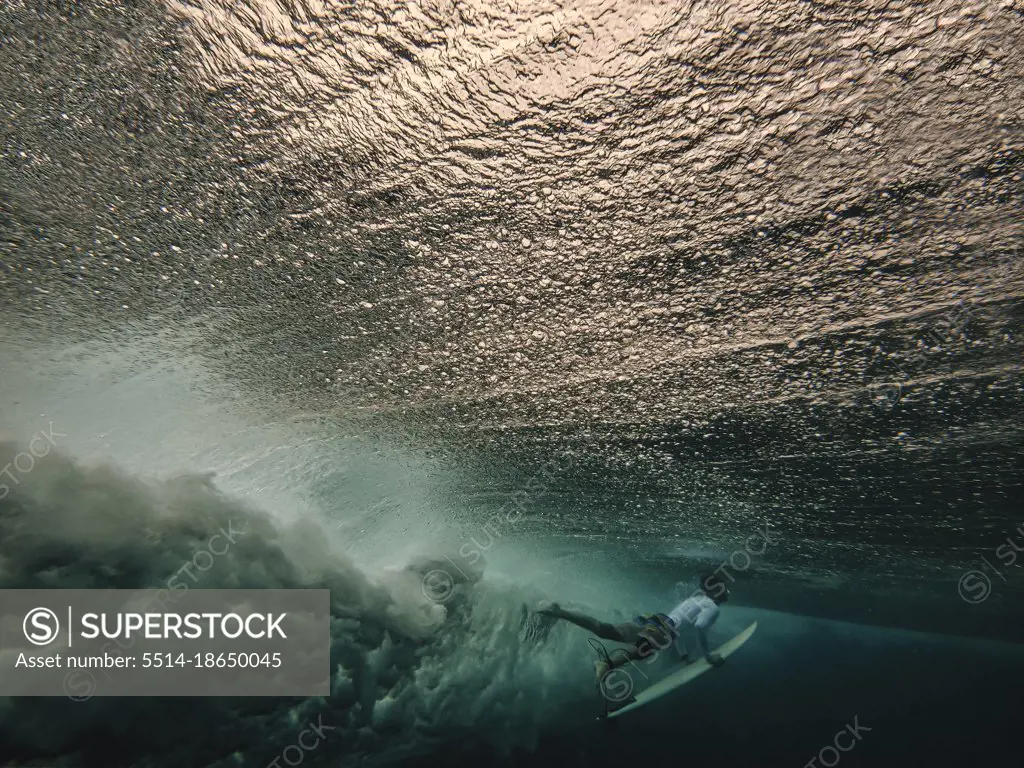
<point>601,651</point>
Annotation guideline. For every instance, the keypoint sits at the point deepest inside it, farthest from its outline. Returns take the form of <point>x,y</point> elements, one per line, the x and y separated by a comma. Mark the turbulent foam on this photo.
<point>408,672</point>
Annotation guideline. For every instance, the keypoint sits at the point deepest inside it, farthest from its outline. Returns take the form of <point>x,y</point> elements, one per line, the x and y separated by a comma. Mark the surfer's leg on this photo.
<point>602,629</point>
<point>626,633</point>
<point>619,656</point>
<point>682,647</point>
<point>646,641</point>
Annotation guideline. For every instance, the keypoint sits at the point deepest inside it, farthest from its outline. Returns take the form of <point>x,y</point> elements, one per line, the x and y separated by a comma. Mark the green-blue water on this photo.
<point>511,302</point>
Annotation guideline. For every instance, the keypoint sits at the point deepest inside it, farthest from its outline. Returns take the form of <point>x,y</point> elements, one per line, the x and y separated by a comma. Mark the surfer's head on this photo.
<point>714,586</point>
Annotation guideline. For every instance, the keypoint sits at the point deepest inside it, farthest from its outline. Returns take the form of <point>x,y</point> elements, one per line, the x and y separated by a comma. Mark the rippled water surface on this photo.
<point>665,274</point>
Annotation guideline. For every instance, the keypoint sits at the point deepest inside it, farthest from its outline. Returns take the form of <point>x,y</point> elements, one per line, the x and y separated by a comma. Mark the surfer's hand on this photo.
<point>714,660</point>
<point>547,608</point>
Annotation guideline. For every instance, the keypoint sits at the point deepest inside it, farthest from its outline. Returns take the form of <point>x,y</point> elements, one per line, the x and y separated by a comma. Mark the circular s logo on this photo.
<point>80,685</point>
<point>438,586</point>
<point>974,587</point>
<point>41,626</point>
<point>616,685</point>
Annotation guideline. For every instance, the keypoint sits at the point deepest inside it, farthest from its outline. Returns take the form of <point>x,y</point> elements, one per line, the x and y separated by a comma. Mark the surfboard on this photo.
<point>682,676</point>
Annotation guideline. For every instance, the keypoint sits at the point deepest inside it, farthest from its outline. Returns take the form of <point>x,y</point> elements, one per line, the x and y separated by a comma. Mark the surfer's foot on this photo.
<point>601,668</point>
<point>548,608</point>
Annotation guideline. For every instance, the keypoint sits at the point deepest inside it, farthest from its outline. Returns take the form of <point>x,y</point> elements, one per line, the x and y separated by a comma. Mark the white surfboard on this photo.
<point>684,675</point>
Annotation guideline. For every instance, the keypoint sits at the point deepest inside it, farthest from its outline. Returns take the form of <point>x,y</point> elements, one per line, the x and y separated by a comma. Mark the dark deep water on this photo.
<point>920,698</point>
<point>565,301</point>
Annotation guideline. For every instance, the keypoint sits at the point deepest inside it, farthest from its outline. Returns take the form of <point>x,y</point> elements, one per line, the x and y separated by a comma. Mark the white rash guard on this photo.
<point>694,616</point>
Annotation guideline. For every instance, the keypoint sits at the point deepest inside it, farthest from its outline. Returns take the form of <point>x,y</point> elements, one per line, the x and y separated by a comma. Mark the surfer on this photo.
<point>688,621</point>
